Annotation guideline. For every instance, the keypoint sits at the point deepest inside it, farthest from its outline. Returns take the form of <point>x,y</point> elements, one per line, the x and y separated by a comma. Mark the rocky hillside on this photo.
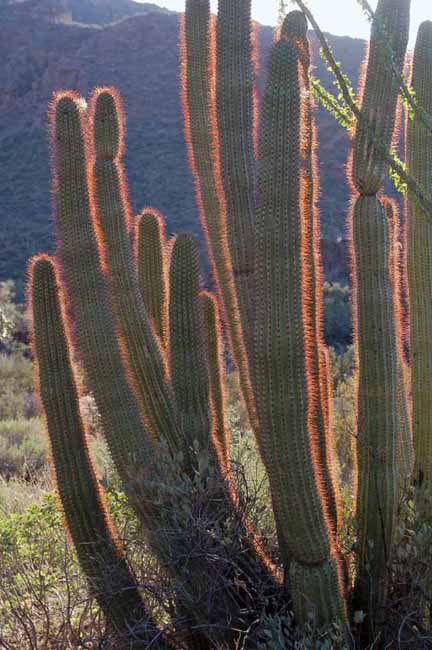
<point>47,45</point>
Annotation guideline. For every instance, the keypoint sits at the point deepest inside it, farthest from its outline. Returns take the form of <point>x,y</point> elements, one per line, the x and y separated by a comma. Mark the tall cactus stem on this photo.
<point>285,334</point>
<point>406,445</point>
<point>86,291</point>
<point>294,28</point>
<point>87,518</point>
<point>419,253</point>
<point>378,425</point>
<point>235,89</point>
<point>376,301</point>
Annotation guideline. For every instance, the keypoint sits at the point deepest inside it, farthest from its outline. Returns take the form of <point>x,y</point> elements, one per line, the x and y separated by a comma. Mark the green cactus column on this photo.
<point>188,353</point>
<point>87,519</point>
<point>375,301</point>
<point>378,424</point>
<point>235,99</point>
<point>152,269</point>
<point>294,28</point>
<point>419,161</point>
<point>285,338</point>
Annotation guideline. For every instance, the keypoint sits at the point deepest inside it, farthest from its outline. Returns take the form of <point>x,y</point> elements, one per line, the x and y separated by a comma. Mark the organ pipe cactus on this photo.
<point>419,240</point>
<point>151,341</point>
<point>375,299</point>
<point>104,295</point>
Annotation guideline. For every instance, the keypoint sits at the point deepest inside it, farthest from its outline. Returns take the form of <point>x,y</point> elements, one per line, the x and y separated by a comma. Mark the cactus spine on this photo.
<point>376,336</point>
<point>419,161</point>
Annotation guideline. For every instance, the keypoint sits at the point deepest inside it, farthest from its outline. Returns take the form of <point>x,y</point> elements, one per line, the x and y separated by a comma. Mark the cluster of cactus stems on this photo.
<point>265,254</point>
<point>130,305</point>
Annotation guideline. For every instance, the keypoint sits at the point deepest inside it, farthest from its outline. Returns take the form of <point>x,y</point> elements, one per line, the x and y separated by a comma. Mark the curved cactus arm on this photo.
<point>188,354</point>
<point>145,356</point>
<point>200,120</point>
<point>235,101</point>
<point>419,253</point>
<point>380,94</point>
<point>152,270</point>
<point>86,516</point>
<point>214,343</point>
<point>285,336</point>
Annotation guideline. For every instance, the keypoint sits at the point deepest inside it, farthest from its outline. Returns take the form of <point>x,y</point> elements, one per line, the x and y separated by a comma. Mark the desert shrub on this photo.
<point>409,606</point>
<point>17,494</point>
<point>23,448</point>
<point>279,633</point>
<point>343,416</point>
<point>43,598</point>
<point>44,602</point>
<point>16,387</point>
<point>13,325</point>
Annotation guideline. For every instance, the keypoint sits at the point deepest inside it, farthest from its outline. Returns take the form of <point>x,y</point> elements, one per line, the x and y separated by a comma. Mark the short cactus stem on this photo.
<point>317,591</point>
<point>390,27</point>
<point>188,348</point>
<point>151,259</point>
